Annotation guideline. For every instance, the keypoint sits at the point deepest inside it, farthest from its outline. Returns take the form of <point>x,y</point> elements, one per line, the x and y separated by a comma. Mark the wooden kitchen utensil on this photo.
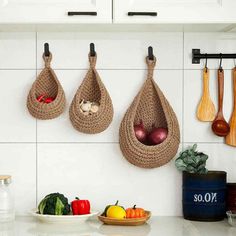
<point>219,126</point>
<point>206,110</point>
<point>231,137</point>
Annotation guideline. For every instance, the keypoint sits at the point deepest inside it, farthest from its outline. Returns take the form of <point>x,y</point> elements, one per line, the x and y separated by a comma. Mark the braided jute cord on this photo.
<point>150,106</point>
<point>46,84</point>
<point>92,89</point>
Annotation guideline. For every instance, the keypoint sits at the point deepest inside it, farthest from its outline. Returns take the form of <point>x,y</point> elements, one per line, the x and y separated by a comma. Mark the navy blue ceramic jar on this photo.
<point>204,196</point>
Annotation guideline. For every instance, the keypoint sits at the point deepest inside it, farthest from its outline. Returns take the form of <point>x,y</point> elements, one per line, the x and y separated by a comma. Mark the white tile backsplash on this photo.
<point>17,50</point>
<point>114,50</point>
<point>19,161</point>
<point>88,171</point>
<point>221,157</point>
<point>122,85</point>
<point>209,43</point>
<point>195,131</point>
<point>16,124</point>
<point>48,156</point>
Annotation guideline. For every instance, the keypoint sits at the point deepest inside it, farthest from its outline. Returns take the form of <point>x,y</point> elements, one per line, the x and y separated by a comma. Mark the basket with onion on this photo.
<point>149,132</point>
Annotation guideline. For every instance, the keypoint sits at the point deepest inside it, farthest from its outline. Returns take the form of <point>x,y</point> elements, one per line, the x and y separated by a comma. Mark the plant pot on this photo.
<point>231,197</point>
<point>204,196</point>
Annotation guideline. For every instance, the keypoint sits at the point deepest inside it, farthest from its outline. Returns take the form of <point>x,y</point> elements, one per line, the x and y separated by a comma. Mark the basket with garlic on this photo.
<point>88,108</point>
<point>91,110</point>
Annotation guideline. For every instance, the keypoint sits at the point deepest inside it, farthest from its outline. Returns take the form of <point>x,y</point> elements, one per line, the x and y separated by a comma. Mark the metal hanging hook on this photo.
<point>92,50</point>
<point>221,62</point>
<point>150,53</point>
<point>46,50</point>
<point>206,62</point>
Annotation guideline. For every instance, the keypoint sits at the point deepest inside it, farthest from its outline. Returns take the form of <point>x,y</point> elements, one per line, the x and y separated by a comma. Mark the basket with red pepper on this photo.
<point>46,99</point>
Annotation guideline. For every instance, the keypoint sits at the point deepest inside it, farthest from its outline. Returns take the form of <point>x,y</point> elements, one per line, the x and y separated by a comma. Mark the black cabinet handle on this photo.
<point>82,13</point>
<point>132,13</point>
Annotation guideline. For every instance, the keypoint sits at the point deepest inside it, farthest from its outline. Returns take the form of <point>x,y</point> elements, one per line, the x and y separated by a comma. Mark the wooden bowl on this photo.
<point>125,221</point>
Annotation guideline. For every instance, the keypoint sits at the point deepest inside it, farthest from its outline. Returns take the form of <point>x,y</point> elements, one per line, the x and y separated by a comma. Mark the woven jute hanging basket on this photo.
<point>92,89</point>
<point>46,84</point>
<point>150,106</point>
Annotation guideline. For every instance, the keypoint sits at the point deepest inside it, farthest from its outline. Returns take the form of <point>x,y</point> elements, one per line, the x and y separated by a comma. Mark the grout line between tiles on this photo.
<point>15,142</point>
<point>206,142</point>
<point>36,143</point>
<point>78,142</point>
<point>183,43</point>
<point>112,12</point>
<point>110,69</point>
<point>25,69</point>
<point>36,127</point>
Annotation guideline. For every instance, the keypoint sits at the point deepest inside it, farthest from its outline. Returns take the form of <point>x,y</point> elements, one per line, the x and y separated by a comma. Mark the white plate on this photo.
<point>64,219</point>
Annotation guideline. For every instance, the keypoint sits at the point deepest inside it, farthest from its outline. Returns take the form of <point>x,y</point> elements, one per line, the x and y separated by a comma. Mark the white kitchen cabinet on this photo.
<point>55,11</point>
<point>174,11</point>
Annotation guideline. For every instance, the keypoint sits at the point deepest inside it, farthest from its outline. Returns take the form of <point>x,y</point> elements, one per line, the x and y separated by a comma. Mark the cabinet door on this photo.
<point>174,11</point>
<point>55,11</point>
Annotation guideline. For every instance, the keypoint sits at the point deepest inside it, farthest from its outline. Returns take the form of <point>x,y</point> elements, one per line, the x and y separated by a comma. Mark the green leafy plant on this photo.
<point>192,161</point>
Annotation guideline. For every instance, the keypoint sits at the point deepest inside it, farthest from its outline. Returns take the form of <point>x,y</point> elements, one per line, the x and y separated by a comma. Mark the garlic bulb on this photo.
<point>88,108</point>
<point>94,107</point>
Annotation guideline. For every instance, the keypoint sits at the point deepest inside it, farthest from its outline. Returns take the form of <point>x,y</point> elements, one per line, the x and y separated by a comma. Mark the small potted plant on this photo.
<point>204,192</point>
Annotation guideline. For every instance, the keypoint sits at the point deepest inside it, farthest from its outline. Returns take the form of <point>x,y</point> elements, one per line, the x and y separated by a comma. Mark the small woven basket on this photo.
<point>150,106</point>
<point>92,89</point>
<point>48,84</point>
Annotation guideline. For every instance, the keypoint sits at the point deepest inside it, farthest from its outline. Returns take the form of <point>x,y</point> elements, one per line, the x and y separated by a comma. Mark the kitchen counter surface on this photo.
<point>157,226</point>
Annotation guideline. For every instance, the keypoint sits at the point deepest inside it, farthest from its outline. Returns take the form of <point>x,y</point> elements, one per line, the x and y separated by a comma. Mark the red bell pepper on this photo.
<point>49,100</point>
<point>41,98</point>
<point>80,207</point>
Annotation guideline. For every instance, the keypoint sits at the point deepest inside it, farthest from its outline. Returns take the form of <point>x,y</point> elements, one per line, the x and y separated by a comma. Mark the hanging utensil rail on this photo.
<point>197,56</point>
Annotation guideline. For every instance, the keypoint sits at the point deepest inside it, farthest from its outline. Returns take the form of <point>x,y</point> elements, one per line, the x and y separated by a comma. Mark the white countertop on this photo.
<point>157,226</point>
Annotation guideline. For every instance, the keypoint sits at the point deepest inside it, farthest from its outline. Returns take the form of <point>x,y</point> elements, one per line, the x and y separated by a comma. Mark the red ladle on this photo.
<point>219,126</point>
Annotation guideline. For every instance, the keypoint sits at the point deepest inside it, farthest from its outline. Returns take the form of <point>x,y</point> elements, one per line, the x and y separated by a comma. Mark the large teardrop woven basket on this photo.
<point>46,84</point>
<point>92,89</point>
<point>150,106</point>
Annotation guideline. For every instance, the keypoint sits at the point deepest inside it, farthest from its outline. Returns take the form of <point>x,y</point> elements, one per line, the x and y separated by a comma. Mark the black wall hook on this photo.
<point>221,69</point>
<point>46,50</point>
<point>92,50</point>
<point>150,53</point>
<point>206,63</point>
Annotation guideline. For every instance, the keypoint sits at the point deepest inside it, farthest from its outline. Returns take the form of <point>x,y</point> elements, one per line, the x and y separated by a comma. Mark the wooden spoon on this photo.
<point>231,137</point>
<point>206,110</point>
<point>219,126</point>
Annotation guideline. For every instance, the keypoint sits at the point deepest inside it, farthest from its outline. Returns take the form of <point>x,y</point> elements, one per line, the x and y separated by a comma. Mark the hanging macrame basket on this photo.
<point>46,84</point>
<point>150,106</point>
<point>92,89</point>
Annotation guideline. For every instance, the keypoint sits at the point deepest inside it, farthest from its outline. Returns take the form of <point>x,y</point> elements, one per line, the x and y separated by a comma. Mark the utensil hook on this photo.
<point>46,50</point>
<point>221,62</point>
<point>206,62</point>
<point>92,50</point>
<point>150,53</point>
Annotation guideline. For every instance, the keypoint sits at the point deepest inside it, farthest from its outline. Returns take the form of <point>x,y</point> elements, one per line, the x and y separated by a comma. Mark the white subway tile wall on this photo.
<point>49,156</point>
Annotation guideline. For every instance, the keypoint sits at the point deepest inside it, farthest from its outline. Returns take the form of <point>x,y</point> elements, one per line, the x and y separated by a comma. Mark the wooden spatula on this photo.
<point>231,137</point>
<point>206,110</point>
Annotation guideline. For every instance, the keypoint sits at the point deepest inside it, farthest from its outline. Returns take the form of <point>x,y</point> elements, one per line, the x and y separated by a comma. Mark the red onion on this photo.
<point>157,135</point>
<point>140,132</point>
